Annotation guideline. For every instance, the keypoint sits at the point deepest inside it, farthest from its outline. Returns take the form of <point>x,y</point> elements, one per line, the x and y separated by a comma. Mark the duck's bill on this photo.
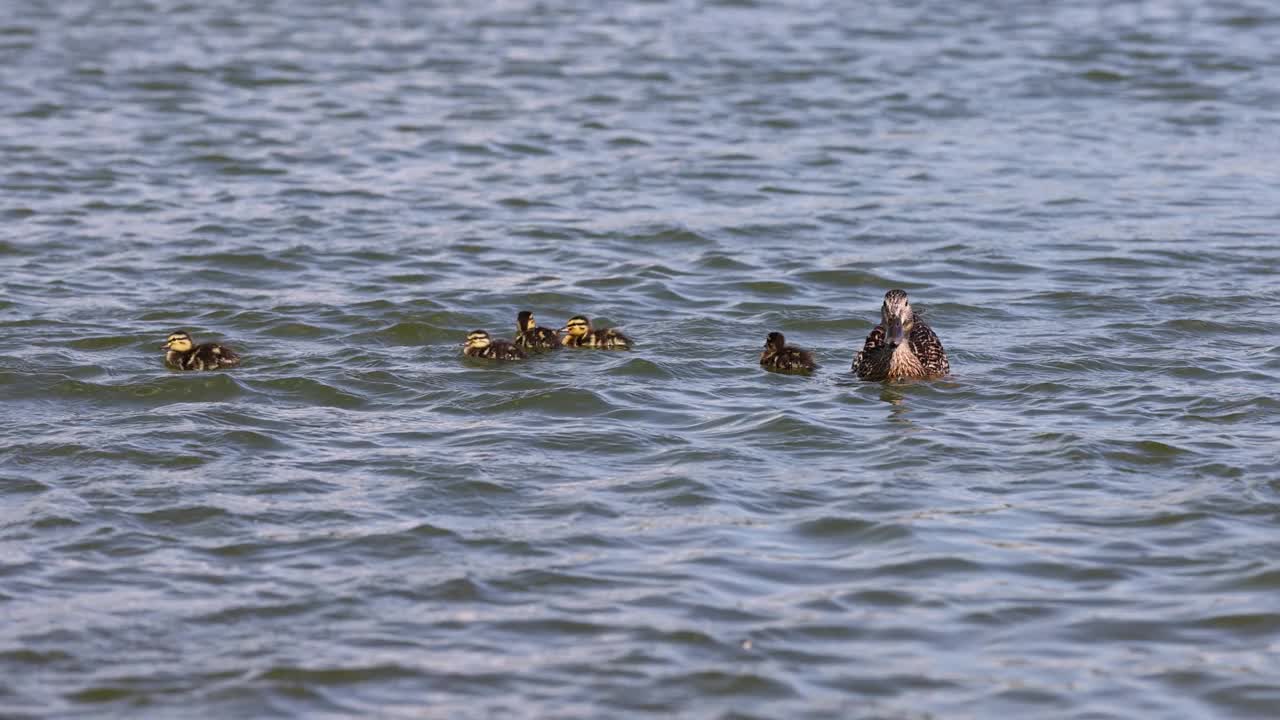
<point>894,334</point>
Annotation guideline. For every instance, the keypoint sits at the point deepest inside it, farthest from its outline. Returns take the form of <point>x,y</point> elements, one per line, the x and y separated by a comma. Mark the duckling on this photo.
<point>902,346</point>
<point>480,345</point>
<point>779,357</point>
<point>578,333</point>
<point>531,337</point>
<point>183,354</point>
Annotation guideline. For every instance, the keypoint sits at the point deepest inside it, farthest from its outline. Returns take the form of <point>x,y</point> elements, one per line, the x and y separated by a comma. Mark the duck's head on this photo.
<point>897,317</point>
<point>178,341</point>
<point>775,342</point>
<point>477,340</point>
<point>577,326</point>
<point>524,321</point>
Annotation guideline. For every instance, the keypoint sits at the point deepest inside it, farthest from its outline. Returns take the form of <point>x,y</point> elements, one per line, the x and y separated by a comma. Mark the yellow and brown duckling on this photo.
<point>181,353</point>
<point>480,345</point>
<point>579,333</point>
<point>530,337</point>
<point>902,346</point>
<point>780,357</point>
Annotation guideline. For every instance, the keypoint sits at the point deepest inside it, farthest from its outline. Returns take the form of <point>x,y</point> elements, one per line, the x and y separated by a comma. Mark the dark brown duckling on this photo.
<point>480,345</point>
<point>530,337</point>
<point>780,357</point>
<point>181,353</point>
<point>578,333</point>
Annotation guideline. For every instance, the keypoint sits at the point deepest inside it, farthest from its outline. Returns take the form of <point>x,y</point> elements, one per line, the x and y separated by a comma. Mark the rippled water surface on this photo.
<point>1081,522</point>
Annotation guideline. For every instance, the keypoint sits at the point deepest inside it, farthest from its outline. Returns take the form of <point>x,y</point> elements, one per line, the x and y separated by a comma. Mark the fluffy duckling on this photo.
<point>480,345</point>
<point>578,333</point>
<point>531,337</point>
<point>780,357</point>
<point>902,346</point>
<point>181,353</point>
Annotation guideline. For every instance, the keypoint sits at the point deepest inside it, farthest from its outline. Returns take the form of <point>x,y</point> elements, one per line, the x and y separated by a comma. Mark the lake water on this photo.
<point>1081,522</point>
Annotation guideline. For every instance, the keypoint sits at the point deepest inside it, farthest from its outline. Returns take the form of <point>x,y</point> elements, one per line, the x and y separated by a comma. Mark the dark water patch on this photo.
<point>103,343</point>
<point>107,694</point>
<point>420,540</point>
<point>1145,453</point>
<point>335,676</point>
<point>239,261</point>
<point>20,485</point>
<point>845,530</point>
<point>426,332</point>
<point>714,683</point>
<point>639,369</point>
<point>844,278</point>
<point>179,517</point>
<point>765,288</point>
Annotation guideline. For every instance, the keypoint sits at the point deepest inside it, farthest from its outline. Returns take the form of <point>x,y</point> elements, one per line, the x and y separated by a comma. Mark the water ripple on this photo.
<point>1075,195</point>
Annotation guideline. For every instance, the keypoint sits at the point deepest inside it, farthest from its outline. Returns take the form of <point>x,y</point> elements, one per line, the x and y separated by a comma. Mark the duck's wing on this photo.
<point>797,359</point>
<point>875,341</point>
<point>548,338</point>
<point>612,339</point>
<point>224,356</point>
<point>508,351</point>
<point>928,347</point>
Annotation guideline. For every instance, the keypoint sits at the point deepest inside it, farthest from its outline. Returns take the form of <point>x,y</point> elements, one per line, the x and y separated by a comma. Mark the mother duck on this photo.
<point>902,346</point>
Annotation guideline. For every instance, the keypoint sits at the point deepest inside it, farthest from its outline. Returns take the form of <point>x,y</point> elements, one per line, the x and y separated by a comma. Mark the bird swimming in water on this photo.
<point>578,333</point>
<point>531,337</point>
<point>480,345</point>
<point>780,357</point>
<point>181,353</point>
<point>902,346</point>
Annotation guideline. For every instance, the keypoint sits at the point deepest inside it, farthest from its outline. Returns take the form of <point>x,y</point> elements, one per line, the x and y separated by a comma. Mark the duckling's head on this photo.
<point>577,326</point>
<point>775,342</point>
<point>178,341</point>
<point>478,340</point>
<point>897,317</point>
<point>524,321</point>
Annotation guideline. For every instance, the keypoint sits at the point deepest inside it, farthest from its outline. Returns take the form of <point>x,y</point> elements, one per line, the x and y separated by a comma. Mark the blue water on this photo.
<point>1078,523</point>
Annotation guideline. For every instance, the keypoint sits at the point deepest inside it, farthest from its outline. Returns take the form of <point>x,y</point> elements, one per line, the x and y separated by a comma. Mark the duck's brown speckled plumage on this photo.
<point>480,345</point>
<point>530,337</point>
<point>181,353</point>
<point>902,346</point>
<point>780,357</point>
<point>578,333</point>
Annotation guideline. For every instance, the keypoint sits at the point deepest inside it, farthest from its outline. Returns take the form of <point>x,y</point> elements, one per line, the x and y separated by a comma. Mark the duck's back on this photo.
<point>501,350</point>
<point>604,339</point>
<point>209,356</point>
<point>611,339</point>
<point>788,359</point>
<point>538,338</point>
